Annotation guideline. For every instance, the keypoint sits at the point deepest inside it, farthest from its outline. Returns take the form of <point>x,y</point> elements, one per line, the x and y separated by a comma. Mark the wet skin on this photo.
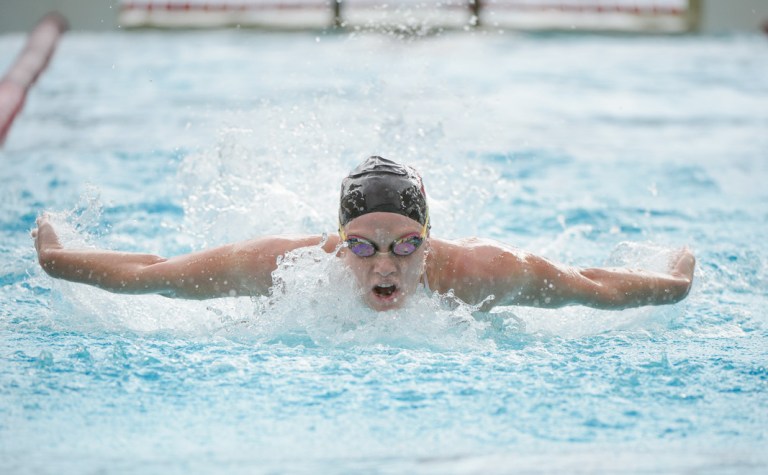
<point>472,269</point>
<point>385,279</point>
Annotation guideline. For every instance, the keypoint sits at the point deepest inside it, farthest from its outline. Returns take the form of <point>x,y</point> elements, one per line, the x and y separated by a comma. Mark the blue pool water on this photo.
<point>588,150</point>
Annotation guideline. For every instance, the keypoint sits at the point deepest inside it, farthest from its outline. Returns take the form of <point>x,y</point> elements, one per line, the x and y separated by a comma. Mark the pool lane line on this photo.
<point>31,62</point>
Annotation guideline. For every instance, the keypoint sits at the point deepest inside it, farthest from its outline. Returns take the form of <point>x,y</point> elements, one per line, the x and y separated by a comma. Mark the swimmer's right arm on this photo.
<point>243,268</point>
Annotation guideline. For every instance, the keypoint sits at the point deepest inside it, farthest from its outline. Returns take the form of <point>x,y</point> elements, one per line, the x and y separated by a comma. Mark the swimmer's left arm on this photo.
<point>551,285</point>
<point>517,278</point>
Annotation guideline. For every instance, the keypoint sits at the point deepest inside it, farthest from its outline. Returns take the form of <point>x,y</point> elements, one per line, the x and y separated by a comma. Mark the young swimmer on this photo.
<point>384,228</point>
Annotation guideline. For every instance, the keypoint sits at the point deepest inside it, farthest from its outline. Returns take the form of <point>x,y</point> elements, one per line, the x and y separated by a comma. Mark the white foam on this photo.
<point>315,294</point>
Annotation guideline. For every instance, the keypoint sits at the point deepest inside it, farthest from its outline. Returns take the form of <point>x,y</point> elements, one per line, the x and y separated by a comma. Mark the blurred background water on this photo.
<point>592,150</point>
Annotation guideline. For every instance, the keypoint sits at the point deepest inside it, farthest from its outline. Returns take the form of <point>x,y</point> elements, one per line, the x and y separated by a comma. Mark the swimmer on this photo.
<point>384,238</point>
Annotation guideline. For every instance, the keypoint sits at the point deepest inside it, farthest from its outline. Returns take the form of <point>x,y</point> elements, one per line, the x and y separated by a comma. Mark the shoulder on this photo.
<point>473,250</point>
<point>468,264</point>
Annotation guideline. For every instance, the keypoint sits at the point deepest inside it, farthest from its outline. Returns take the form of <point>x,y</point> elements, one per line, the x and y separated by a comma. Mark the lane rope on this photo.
<point>31,62</point>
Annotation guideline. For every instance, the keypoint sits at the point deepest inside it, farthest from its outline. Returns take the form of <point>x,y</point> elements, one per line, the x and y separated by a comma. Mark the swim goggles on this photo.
<point>404,246</point>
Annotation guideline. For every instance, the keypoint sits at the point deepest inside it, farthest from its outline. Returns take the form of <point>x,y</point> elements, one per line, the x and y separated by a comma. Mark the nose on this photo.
<point>384,264</point>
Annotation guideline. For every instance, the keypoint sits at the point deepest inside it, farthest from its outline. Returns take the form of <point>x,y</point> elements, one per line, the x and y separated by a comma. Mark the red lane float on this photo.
<point>23,73</point>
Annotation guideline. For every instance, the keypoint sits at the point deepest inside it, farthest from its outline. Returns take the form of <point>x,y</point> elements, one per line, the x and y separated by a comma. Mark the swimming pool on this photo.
<point>586,149</point>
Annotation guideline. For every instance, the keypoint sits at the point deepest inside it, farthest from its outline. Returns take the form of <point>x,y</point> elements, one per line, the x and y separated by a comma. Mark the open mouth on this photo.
<point>385,290</point>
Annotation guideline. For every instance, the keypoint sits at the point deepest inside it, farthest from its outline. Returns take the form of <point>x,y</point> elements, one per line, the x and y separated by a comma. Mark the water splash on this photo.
<point>315,300</point>
<point>235,191</point>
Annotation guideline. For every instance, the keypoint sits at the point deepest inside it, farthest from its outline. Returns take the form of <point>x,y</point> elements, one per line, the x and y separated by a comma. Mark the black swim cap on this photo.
<point>381,185</point>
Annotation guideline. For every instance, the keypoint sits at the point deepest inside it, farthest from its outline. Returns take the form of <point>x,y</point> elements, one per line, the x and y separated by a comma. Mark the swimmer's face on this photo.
<point>385,279</point>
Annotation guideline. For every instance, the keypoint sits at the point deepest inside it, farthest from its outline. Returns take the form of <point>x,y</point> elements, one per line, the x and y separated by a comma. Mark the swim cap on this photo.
<point>381,185</point>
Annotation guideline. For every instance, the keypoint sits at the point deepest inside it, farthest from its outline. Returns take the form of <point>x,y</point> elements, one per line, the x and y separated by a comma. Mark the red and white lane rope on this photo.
<point>28,66</point>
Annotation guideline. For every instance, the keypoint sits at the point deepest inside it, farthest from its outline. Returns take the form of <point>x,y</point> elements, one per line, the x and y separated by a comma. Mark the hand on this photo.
<point>682,264</point>
<point>45,238</point>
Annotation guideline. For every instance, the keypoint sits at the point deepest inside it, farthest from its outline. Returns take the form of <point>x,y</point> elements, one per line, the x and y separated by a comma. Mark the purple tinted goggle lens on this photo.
<point>405,246</point>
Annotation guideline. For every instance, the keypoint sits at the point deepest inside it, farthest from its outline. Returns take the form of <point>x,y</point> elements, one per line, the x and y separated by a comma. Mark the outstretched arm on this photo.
<point>243,268</point>
<point>517,278</point>
<point>555,285</point>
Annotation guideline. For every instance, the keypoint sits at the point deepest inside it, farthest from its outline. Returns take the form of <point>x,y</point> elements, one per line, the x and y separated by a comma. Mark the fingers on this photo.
<point>42,219</point>
<point>44,234</point>
<point>687,256</point>
<point>685,263</point>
